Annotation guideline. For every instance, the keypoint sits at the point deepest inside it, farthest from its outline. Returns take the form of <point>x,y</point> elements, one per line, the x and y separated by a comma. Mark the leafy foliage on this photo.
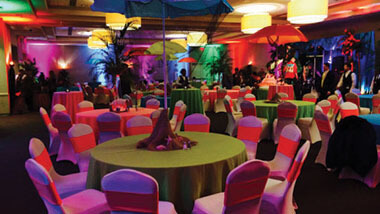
<point>220,65</point>
<point>29,67</point>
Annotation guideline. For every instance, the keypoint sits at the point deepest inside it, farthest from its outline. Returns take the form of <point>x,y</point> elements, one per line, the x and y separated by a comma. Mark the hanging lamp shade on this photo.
<point>196,39</point>
<point>181,42</point>
<point>251,23</point>
<point>117,21</point>
<point>307,11</point>
<point>95,44</point>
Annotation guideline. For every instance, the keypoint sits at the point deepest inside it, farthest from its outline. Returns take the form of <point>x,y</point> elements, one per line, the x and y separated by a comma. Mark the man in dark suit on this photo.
<point>328,82</point>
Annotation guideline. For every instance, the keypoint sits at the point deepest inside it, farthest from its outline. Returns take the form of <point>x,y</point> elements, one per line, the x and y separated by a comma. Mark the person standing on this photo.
<point>183,81</point>
<point>347,80</point>
<point>375,85</point>
<point>290,71</point>
<point>328,82</point>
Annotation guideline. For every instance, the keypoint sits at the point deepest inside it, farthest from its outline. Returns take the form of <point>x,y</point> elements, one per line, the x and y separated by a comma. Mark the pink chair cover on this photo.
<point>248,108</point>
<point>325,130</point>
<point>153,104</point>
<point>139,125</point>
<point>286,114</point>
<point>53,132</point>
<point>85,106</point>
<point>197,123</point>
<point>62,122</point>
<point>249,131</point>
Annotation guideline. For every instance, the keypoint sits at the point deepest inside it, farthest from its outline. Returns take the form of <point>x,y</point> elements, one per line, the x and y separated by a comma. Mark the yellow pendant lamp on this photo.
<point>251,23</point>
<point>95,44</point>
<point>307,11</point>
<point>117,21</point>
<point>196,39</point>
<point>181,42</point>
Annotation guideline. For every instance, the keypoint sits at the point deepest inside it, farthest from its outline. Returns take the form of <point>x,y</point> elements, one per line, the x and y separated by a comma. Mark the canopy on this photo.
<point>188,60</point>
<point>277,34</point>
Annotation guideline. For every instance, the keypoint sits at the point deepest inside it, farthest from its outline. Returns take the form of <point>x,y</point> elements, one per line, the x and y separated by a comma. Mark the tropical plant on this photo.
<point>221,65</point>
<point>29,67</point>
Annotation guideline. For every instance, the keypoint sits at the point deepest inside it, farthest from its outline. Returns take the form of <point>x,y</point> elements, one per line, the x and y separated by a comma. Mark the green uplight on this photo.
<point>14,6</point>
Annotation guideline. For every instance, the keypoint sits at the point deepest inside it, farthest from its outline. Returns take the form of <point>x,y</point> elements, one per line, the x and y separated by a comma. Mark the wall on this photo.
<point>5,58</point>
<point>245,53</point>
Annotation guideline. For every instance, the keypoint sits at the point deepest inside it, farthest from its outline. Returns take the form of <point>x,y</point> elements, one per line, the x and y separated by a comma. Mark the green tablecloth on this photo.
<point>269,110</point>
<point>182,175</point>
<point>261,93</point>
<point>366,100</point>
<point>196,84</point>
<point>192,97</point>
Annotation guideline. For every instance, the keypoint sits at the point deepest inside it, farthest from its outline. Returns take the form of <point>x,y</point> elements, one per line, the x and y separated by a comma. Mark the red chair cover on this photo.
<point>197,127</point>
<point>287,113</point>
<point>139,130</point>
<point>349,112</point>
<point>287,147</point>
<point>324,125</point>
<point>83,143</point>
<point>132,202</point>
<point>313,100</point>
<point>249,133</point>
<point>112,126</point>
<point>44,160</point>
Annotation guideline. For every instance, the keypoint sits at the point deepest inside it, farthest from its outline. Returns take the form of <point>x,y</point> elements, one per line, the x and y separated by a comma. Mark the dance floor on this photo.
<point>317,191</point>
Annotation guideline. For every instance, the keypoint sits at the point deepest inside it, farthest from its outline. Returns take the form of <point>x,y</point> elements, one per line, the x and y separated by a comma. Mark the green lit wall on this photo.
<point>5,58</point>
<point>20,6</point>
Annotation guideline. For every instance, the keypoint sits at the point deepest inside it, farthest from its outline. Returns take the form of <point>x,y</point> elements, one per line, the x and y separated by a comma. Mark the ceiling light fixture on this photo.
<point>196,39</point>
<point>307,11</point>
<point>251,23</point>
<point>117,21</point>
<point>259,8</point>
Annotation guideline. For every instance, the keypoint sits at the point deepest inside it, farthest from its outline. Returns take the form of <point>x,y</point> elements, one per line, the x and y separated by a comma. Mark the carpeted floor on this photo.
<point>317,191</point>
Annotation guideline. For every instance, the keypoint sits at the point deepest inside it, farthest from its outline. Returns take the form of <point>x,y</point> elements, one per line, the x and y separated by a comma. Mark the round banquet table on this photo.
<point>159,98</point>
<point>70,100</point>
<point>182,175</point>
<point>89,117</point>
<point>192,97</point>
<point>374,119</point>
<point>269,110</point>
<point>366,100</point>
<point>288,89</point>
<point>261,93</point>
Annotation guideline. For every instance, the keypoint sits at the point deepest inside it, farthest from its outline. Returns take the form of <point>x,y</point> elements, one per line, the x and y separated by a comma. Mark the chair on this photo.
<point>244,188</point>
<point>109,124</point>
<point>154,117</point>
<point>83,139</point>
<point>58,108</point>
<point>85,106</point>
<point>249,109</point>
<point>235,114</point>
<point>309,128</point>
<point>309,97</point>
<point>325,105</point>
<point>158,92</point>
<point>205,100</point>
<point>240,99</point>
<point>180,117</point>
<point>176,113</point>
<point>376,104</point>
<point>131,191</point>
<point>354,98</point>
<point>249,131</point>
<point>66,184</point>
<point>249,97</point>
<point>236,87</point>
<point>334,101</point>
<point>231,125</point>
<point>203,87</point>
<point>348,109</point>
<point>286,150</point>
<point>86,201</point>
<point>53,133</point>
<point>278,195</point>
<point>62,122</point>
<point>197,123</point>
<point>139,125</point>
<point>153,104</point>
<point>284,96</point>
<point>286,114</point>
<point>325,131</point>
<point>219,105</point>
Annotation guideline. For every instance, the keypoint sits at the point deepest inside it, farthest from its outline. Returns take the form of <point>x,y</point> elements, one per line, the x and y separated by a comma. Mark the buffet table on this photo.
<point>182,175</point>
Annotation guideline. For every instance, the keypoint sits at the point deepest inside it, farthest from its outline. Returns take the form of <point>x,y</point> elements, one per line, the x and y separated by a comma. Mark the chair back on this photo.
<point>158,92</point>
<point>62,121</point>
<point>221,93</point>
<point>177,109</point>
<point>205,96</point>
<point>287,110</point>
<point>289,141</point>
<point>353,98</point>
<point>249,128</point>
<point>236,87</point>
<point>85,106</point>
<point>348,109</point>
<point>45,116</point>
<point>325,106</point>
<point>153,104</point>
<point>242,92</point>
<point>45,186</point>
<point>299,160</point>
<point>284,96</point>
<point>334,102</point>
<point>154,117</point>
<point>197,123</point>
<point>139,125</point>
<point>227,101</point>
<point>82,137</point>
<point>249,97</point>
<point>309,97</point>
<point>204,87</point>
<point>244,187</point>
<point>248,108</point>
<point>58,108</point>
<point>323,122</point>
<point>109,122</point>
<point>376,103</point>
<point>181,116</point>
<point>39,153</point>
<point>131,191</point>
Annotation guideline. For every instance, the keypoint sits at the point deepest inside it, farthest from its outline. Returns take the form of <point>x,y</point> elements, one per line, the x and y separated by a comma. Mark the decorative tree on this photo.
<point>220,65</point>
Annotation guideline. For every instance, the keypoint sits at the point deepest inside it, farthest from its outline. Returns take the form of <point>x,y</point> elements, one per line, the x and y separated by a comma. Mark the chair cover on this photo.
<point>240,99</point>
<point>58,108</point>
<point>278,195</point>
<point>286,114</point>
<point>309,97</point>
<point>109,124</point>
<point>139,125</point>
<point>82,138</point>
<point>180,118</point>
<point>197,123</point>
<point>176,113</point>
<point>325,131</point>
<point>62,122</point>
<point>325,105</point>
<point>85,106</point>
<point>334,101</point>
<point>205,100</point>
<point>236,87</point>
<point>249,131</point>
<point>154,117</point>
<point>86,202</point>
<point>232,125</point>
<point>153,103</point>
<point>286,150</point>
<point>309,128</point>
<point>248,108</point>
<point>244,188</point>
<point>354,98</point>
<point>66,184</point>
<point>348,109</point>
<point>219,105</point>
<point>249,97</point>
<point>158,92</point>
<point>53,133</point>
<point>376,104</point>
<point>283,95</point>
<point>133,192</point>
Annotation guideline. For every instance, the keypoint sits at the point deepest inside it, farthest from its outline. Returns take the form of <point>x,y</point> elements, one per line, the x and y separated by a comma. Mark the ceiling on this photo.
<point>72,20</point>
